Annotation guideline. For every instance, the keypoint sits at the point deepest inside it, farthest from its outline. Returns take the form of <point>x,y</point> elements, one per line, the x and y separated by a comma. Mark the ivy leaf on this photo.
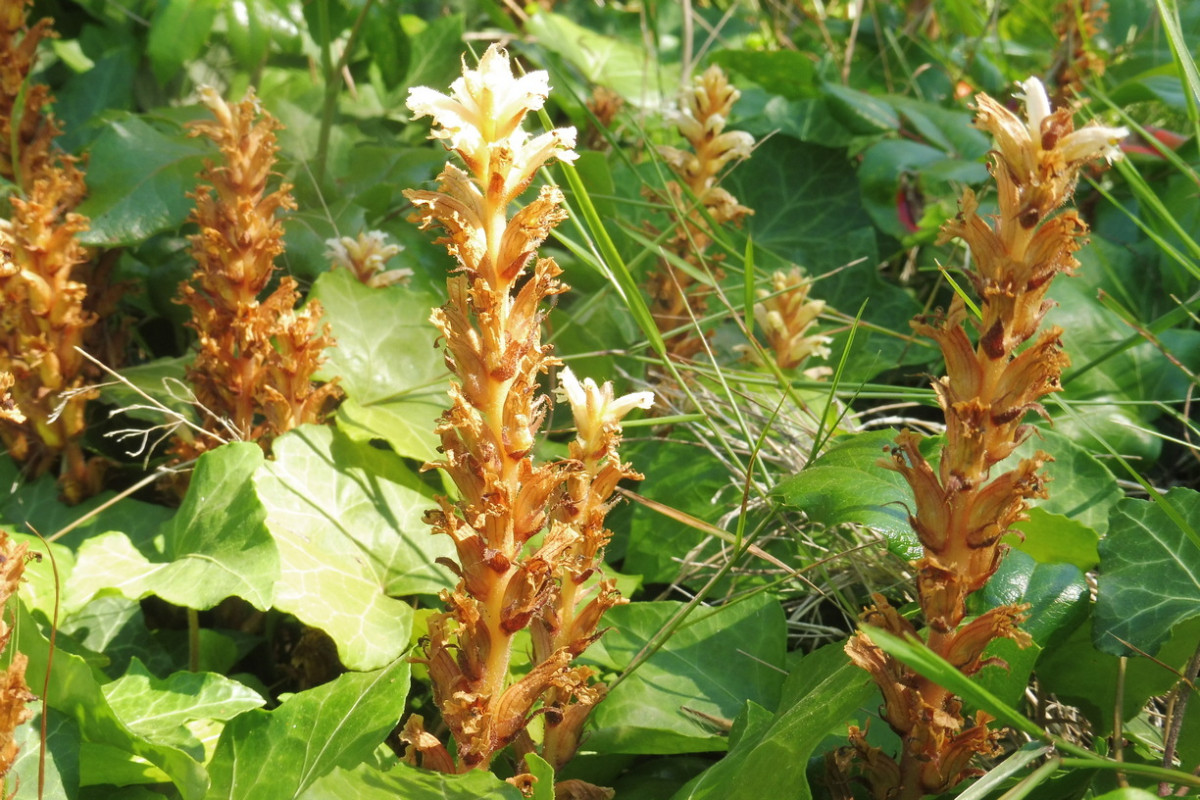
<point>216,546</point>
<point>861,113</point>
<point>1149,573</point>
<point>625,67</point>
<point>679,477</point>
<point>178,32</point>
<point>769,752</point>
<point>159,709</point>
<point>367,782</point>
<point>712,664</point>
<point>347,518</point>
<point>846,484</point>
<point>75,692</point>
<point>62,755</point>
<point>1058,600</point>
<point>394,377</point>
<point>782,72</point>
<point>129,204</point>
<point>274,755</point>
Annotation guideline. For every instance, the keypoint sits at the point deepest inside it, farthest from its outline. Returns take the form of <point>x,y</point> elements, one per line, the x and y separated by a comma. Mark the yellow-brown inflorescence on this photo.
<point>787,314</point>
<point>43,315</point>
<point>366,256</point>
<point>962,510</point>
<point>255,359</point>
<point>676,297</point>
<point>492,332</point>
<point>14,693</point>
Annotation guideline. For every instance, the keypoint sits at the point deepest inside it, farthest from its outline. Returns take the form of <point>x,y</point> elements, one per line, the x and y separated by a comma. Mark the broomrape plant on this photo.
<point>44,304</point>
<point>255,358</point>
<point>962,511</point>
<point>676,298</point>
<point>491,326</point>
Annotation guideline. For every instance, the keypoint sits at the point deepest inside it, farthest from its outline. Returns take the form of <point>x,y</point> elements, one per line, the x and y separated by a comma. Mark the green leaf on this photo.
<point>36,504</point>
<point>366,782</point>
<point>712,664</point>
<point>861,113</point>
<point>846,484</point>
<point>246,31</point>
<point>436,49</point>
<point>347,518</point>
<point>62,755</point>
<point>393,374</point>
<point>138,181</point>
<point>160,709</point>
<point>178,32</point>
<point>275,755</point>
<point>387,42</point>
<point>1128,793</point>
<point>75,691</point>
<point>216,546</point>
<point>1056,539</point>
<point>627,68</point>
<point>682,477</point>
<point>1058,600</point>
<point>769,756</point>
<point>1079,674</point>
<point>164,380</point>
<point>811,214</point>
<point>543,773</point>
<point>1149,573</point>
<point>789,73</point>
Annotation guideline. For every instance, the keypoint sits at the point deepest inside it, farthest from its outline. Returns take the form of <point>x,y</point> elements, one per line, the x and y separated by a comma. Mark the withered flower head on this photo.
<point>962,509</point>
<point>492,330</point>
<point>1039,157</point>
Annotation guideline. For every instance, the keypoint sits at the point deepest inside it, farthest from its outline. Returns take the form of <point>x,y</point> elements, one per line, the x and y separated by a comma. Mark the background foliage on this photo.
<point>251,640</point>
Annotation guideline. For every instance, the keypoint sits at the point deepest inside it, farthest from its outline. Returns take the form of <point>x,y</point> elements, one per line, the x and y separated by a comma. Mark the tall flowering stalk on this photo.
<point>492,331</point>
<point>962,510</point>
<point>255,359</point>
<point>43,316</point>
<point>704,112</point>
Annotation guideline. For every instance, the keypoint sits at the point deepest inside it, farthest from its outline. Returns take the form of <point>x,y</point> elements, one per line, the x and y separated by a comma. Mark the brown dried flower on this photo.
<point>255,359</point>
<point>43,316</point>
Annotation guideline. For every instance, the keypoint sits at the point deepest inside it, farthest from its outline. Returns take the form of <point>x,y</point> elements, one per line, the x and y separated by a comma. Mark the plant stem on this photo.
<point>193,619</point>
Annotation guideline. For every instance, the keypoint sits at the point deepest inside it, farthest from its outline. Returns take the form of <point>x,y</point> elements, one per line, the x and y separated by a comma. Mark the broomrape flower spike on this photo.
<point>962,511</point>
<point>255,358</point>
<point>704,112</point>
<point>47,309</point>
<point>491,326</point>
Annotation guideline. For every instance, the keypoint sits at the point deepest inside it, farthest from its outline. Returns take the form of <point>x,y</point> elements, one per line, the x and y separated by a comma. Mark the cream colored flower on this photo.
<point>1089,142</point>
<point>366,257</point>
<point>485,107</point>
<point>594,407</point>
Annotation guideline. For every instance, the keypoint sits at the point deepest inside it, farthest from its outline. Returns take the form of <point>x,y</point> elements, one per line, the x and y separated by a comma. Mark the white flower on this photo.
<point>366,257</point>
<point>594,407</point>
<point>1089,142</point>
<point>487,106</point>
<point>1037,106</point>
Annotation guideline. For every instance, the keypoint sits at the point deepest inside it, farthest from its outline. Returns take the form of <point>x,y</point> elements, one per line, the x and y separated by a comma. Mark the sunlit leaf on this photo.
<point>347,519</point>
<point>276,755</point>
